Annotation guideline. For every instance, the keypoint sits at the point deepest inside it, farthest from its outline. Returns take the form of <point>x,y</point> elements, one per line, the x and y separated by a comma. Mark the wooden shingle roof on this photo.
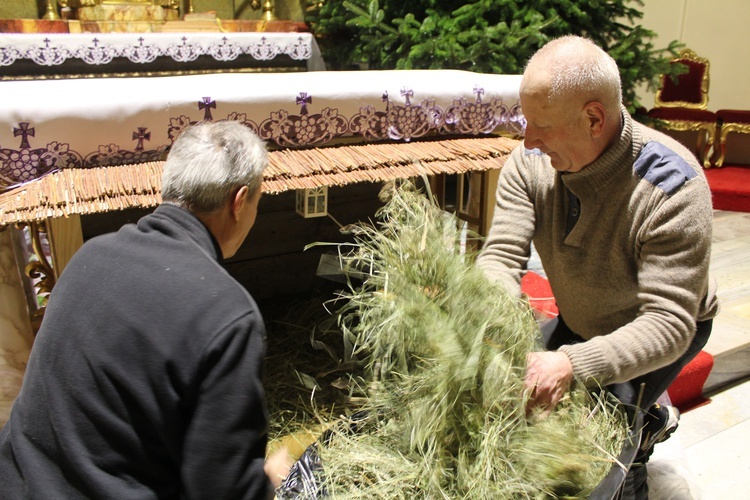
<point>103,189</point>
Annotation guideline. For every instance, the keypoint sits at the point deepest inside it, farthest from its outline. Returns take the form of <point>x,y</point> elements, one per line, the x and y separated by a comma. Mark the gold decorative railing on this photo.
<point>55,7</point>
<point>39,270</point>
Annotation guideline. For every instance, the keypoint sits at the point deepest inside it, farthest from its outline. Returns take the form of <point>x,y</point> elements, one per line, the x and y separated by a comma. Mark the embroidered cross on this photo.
<point>303,100</point>
<point>478,91</point>
<point>141,135</point>
<point>206,104</point>
<point>408,93</point>
<point>24,131</point>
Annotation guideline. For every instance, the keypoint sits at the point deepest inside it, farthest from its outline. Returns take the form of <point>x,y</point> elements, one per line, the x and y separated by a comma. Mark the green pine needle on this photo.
<point>444,353</point>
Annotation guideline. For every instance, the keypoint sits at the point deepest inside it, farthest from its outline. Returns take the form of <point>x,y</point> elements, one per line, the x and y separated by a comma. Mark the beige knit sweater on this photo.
<point>631,276</point>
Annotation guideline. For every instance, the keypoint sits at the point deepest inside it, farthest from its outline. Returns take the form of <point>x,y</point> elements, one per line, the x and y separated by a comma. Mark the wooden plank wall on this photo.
<point>272,262</point>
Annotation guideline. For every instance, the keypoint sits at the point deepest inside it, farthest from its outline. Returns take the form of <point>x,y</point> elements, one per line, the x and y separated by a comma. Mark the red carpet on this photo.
<point>686,392</point>
<point>730,187</point>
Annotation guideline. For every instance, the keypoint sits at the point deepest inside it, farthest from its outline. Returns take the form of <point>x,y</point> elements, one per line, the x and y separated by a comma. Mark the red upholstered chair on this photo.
<point>729,120</point>
<point>681,105</point>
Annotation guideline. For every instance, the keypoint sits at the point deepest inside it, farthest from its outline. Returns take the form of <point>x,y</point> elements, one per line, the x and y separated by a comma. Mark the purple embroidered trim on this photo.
<point>53,53</point>
<point>399,122</point>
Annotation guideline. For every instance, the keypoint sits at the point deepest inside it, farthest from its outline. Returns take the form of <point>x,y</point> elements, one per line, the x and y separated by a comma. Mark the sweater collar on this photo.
<point>184,225</point>
<point>620,155</point>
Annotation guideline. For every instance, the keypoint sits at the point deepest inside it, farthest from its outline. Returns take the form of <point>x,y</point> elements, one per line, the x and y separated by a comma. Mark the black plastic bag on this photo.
<point>303,481</point>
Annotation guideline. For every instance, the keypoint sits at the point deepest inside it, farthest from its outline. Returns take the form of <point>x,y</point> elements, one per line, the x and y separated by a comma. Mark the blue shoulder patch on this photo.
<point>663,168</point>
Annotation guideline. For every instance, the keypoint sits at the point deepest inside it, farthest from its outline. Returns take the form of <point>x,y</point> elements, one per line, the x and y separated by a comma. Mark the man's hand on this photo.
<point>277,466</point>
<point>548,377</point>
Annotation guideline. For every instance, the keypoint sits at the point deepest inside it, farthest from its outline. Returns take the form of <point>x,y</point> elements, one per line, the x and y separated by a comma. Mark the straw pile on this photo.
<point>443,352</point>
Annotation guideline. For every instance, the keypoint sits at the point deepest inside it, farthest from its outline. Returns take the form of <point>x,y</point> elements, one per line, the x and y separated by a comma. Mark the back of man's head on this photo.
<point>578,70</point>
<point>209,161</point>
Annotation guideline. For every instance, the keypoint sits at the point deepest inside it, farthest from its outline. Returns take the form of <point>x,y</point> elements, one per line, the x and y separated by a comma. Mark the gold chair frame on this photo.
<point>706,130</point>
<point>706,136</point>
<point>724,130</point>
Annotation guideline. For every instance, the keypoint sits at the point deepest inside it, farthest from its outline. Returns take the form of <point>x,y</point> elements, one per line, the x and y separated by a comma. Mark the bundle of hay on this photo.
<point>444,353</point>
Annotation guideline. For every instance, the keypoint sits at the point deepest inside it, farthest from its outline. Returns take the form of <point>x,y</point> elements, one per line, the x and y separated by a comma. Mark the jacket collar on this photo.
<point>182,224</point>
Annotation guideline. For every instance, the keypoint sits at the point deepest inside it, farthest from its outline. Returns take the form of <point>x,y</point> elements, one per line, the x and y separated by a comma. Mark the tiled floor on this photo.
<point>708,457</point>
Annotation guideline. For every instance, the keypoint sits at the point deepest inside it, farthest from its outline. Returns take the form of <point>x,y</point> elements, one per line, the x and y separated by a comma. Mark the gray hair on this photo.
<point>209,161</point>
<point>578,67</point>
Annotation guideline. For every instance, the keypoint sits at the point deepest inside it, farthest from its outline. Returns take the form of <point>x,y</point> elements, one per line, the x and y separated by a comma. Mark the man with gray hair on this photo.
<point>145,377</point>
<point>621,218</point>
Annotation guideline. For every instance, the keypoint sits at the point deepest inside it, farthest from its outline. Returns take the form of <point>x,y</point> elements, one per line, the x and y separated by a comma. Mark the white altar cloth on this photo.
<point>47,125</point>
<point>97,50</point>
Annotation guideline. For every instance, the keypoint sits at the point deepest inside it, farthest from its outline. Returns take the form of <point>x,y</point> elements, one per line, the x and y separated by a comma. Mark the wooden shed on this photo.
<point>345,133</point>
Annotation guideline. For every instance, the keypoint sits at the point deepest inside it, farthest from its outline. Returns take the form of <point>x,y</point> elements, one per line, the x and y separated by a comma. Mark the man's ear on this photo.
<point>238,202</point>
<point>595,116</point>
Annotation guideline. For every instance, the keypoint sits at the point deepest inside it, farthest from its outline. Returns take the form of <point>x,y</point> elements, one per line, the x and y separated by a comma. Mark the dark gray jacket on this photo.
<point>145,378</point>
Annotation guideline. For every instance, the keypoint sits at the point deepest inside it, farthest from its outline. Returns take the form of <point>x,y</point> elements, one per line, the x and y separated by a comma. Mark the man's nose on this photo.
<point>531,139</point>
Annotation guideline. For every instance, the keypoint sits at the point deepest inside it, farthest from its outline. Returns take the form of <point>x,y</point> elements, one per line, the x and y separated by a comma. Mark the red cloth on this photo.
<point>733,115</point>
<point>540,294</point>
<point>688,86</point>
<point>686,114</point>
<point>686,392</point>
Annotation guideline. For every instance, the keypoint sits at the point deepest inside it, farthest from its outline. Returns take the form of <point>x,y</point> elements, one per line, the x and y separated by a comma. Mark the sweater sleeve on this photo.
<point>673,260</point>
<point>506,250</point>
<point>224,450</point>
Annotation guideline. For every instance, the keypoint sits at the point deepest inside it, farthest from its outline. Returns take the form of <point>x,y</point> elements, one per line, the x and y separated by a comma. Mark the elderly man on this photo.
<point>621,218</point>
<point>145,378</point>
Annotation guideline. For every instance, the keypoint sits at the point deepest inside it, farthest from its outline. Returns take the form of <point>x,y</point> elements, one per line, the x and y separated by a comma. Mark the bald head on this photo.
<point>570,96</point>
<point>574,69</point>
